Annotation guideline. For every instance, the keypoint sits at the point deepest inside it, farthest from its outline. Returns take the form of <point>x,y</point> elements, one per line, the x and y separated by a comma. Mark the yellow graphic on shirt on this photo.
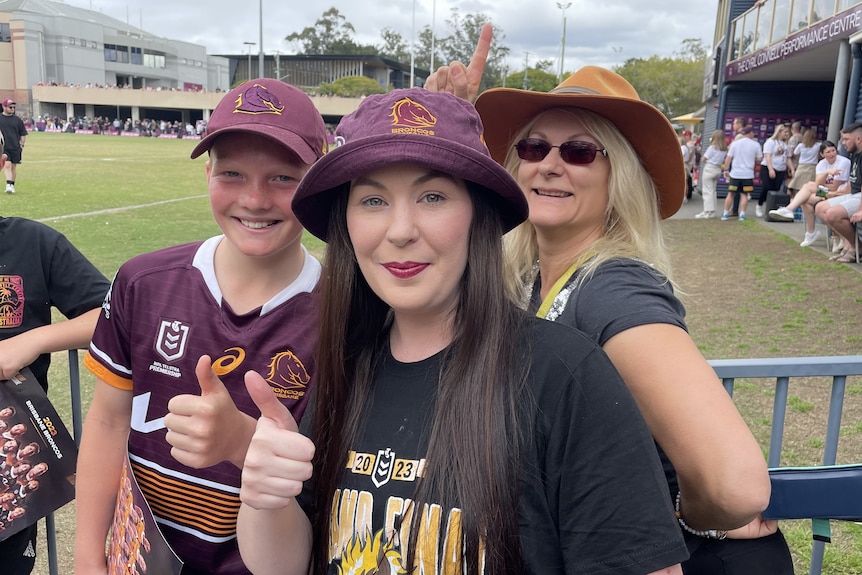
<point>358,546</point>
<point>366,555</point>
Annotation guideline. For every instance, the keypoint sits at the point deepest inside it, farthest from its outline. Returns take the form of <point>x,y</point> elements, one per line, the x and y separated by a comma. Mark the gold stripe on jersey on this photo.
<point>402,469</point>
<point>106,375</point>
<point>195,506</point>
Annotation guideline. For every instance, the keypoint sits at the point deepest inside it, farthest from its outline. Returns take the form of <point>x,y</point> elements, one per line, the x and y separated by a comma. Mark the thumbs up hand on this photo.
<point>279,457</point>
<point>206,429</point>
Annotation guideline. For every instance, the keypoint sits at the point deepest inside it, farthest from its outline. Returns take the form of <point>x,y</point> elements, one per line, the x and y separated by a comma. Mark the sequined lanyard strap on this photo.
<point>557,288</point>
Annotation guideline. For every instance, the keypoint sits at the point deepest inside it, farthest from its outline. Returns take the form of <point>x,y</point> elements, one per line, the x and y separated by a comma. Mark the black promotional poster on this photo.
<point>38,457</point>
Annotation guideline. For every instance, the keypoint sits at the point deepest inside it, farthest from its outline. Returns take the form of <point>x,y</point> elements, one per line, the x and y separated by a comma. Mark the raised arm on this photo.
<point>273,532</point>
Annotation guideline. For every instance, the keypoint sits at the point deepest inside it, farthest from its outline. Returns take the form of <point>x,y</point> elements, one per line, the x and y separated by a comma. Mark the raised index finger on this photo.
<point>480,56</point>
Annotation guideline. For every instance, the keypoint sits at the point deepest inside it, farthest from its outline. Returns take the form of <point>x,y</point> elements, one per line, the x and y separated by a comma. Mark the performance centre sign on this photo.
<point>841,26</point>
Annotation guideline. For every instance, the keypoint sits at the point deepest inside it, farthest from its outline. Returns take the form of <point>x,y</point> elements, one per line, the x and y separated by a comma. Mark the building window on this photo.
<point>94,45</point>
<point>123,54</point>
<point>5,33</point>
<point>110,53</point>
<point>71,41</point>
<point>137,57</point>
<point>154,60</point>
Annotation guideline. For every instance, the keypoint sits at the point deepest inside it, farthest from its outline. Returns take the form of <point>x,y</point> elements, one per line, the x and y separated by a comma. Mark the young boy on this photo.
<point>40,269</point>
<point>181,327</point>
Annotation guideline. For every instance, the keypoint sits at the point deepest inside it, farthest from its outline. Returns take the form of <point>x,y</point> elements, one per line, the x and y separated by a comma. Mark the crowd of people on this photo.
<point>105,125</point>
<point>490,372</point>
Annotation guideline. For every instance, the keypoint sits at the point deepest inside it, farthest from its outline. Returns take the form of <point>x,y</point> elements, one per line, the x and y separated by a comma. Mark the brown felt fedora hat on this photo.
<point>505,111</point>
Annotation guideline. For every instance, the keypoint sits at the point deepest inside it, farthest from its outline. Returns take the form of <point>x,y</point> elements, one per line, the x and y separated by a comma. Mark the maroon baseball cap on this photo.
<point>432,129</point>
<point>8,102</point>
<point>273,109</point>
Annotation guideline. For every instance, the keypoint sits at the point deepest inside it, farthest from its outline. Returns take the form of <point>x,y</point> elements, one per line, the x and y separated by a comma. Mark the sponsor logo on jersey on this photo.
<point>171,339</point>
<point>11,301</point>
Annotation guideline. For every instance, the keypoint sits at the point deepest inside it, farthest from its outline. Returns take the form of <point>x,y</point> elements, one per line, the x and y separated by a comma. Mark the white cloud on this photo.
<point>601,32</point>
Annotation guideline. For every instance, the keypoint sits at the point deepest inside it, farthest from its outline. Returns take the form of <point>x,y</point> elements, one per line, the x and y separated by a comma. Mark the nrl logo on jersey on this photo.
<point>172,338</point>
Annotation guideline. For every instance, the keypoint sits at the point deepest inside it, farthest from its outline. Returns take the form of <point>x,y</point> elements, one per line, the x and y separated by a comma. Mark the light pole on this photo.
<point>249,44</point>
<point>563,7</point>
<point>413,44</point>
<point>260,54</point>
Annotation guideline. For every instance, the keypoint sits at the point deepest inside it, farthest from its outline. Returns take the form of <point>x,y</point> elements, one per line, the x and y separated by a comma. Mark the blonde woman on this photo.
<point>599,169</point>
<point>713,164</point>
<point>775,165</point>
<point>808,151</point>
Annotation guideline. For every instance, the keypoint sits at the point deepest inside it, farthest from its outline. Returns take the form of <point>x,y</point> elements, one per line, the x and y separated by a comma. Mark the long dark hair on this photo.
<point>475,440</point>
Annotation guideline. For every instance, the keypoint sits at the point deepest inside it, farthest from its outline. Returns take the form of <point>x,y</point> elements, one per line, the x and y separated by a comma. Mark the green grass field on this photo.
<point>118,197</point>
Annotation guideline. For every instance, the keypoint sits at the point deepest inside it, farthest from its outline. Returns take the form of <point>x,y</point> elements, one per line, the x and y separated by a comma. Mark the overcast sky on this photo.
<point>601,32</point>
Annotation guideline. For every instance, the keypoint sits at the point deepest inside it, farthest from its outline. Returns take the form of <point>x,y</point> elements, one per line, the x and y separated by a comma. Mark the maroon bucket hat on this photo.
<point>269,108</point>
<point>432,129</point>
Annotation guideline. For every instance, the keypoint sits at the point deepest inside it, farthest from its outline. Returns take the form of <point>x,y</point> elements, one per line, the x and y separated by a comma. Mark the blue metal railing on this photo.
<point>782,369</point>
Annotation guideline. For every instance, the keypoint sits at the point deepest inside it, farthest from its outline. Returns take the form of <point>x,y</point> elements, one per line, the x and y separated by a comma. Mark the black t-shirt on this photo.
<point>12,127</point>
<point>855,173</point>
<point>593,497</point>
<point>622,293</point>
<point>41,269</point>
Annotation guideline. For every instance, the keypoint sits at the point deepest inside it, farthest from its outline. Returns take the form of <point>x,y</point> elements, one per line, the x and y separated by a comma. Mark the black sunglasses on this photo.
<point>572,152</point>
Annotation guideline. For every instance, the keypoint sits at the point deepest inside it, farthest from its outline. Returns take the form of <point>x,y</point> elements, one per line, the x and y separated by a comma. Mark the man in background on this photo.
<point>14,135</point>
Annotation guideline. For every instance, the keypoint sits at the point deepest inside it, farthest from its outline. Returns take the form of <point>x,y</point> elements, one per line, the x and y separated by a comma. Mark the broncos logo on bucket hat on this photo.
<point>432,129</point>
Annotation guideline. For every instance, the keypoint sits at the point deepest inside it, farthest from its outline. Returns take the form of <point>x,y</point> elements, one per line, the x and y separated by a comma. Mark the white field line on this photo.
<point>120,209</point>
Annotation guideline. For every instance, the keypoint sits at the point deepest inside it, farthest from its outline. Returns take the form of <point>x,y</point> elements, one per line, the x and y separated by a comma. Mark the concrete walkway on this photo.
<point>793,230</point>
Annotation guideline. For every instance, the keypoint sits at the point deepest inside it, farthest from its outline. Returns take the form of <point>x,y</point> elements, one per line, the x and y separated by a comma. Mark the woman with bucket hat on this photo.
<point>450,431</point>
<point>600,169</point>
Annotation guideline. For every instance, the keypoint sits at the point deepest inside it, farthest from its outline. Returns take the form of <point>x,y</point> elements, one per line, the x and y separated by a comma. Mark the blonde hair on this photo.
<point>777,131</point>
<point>717,140</point>
<point>632,226</point>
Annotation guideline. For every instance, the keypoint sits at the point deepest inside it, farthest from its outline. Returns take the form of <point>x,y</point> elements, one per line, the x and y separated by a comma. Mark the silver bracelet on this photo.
<point>707,533</point>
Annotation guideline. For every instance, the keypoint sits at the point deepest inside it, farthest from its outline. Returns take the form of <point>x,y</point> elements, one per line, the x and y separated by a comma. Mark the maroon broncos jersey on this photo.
<point>163,312</point>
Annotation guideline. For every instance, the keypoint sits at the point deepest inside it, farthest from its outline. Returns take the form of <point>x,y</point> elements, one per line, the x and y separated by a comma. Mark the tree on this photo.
<point>461,42</point>
<point>331,34</point>
<point>394,47</point>
<point>423,51</point>
<point>673,85</point>
<point>351,87</point>
<point>535,80</point>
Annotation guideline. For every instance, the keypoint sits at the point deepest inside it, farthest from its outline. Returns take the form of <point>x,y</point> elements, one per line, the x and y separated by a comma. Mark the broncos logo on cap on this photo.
<point>257,99</point>
<point>410,114</point>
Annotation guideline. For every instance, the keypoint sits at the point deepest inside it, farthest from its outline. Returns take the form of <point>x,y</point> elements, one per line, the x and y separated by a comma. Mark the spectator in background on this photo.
<point>14,135</point>
<point>808,151</point>
<point>833,171</point>
<point>744,153</point>
<point>793,141</point>
<point>690,162</point>
<point>774,166</point>
<point>39,270</point>
<point>739,123</point>
<point>713,164</point>
<point>842,212</point>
